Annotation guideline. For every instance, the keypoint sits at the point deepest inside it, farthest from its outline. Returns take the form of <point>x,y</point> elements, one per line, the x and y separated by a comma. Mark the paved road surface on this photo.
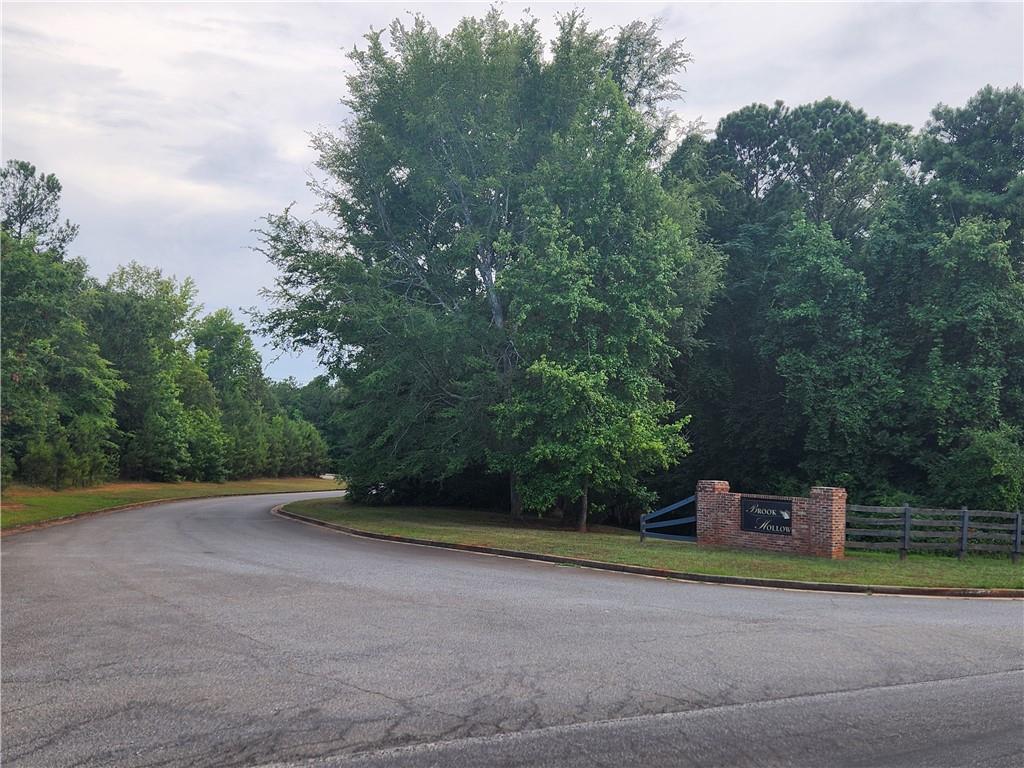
<point>210,633</point>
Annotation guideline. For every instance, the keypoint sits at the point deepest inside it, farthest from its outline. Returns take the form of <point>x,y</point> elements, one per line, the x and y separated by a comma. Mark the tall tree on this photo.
<point>840,163</point>
<point>839,374</point>
<point>972,161</point>
<point>31,207</point>
<point>233,365</point>
<point>206,441</point>
<point>404,298</point>
<point>320,402</point>
<point>970,331</point>
<point>604,272</point>
<point>140,323</point>
<point>743,427</point>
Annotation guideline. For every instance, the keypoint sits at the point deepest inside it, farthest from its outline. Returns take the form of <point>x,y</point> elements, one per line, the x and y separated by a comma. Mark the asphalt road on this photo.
<point>210,633</point>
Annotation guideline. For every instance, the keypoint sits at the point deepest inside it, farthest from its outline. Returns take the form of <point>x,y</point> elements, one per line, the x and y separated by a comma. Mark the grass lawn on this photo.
<point>22,504</point>
<point>615,545</point>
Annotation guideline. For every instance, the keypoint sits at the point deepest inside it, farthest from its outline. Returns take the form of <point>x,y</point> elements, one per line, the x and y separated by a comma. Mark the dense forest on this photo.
<point>538,291</point>
<point>869,331</point>
<point>126,378</point>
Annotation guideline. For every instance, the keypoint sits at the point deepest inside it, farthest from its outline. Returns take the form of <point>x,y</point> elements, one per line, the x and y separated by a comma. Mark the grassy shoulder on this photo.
<point>24,505</point>
<point>614,545</point>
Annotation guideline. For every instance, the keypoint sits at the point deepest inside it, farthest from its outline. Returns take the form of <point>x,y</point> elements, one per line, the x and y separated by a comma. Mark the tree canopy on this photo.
<point>31,207</point>
<point>504,269</point>
<point>530,289</point>
<point>869,330</point>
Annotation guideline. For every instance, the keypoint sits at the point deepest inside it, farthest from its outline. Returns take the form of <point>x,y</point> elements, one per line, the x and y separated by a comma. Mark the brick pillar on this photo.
<point>714,512</point>
<point>827,517</point>
<point>712,486</point>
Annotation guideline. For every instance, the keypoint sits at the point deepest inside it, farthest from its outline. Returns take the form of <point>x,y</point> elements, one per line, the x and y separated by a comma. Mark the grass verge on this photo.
<point>614,545</point>
<point>24,505</point>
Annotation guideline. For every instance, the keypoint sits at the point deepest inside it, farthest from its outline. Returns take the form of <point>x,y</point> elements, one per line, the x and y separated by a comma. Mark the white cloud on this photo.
<point>175,126</point>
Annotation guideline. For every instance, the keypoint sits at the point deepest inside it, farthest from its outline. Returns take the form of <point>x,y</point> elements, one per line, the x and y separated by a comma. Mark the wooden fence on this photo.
<point>953,530</point>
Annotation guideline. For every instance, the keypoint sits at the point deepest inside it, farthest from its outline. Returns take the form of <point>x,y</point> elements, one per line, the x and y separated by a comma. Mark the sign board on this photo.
<point>766,515</point>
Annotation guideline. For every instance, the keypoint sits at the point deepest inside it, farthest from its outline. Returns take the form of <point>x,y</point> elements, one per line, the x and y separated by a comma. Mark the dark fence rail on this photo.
<point>646,526</point>
<point>915,528</point>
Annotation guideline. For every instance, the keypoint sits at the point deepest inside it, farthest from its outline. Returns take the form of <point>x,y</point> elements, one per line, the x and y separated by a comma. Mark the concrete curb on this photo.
<point>811,586</point>
<point>135,505</point>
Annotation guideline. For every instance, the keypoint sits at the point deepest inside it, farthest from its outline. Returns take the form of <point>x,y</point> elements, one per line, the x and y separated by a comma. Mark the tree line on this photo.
<point>531,292</point>
<point>126,377</point>
<point>869,332</point>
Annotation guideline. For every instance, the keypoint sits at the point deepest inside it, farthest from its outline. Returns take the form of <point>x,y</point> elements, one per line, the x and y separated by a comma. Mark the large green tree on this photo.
<point>432,187</point>
<point>838,373</point>
<point>320,402</point>
<point>123,378</point>
<point>605,270</point>
<point>969,352</point>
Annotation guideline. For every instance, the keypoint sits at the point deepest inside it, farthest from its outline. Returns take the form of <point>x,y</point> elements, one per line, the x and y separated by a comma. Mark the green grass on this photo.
<point>22,504</point>
<point>614,545</point>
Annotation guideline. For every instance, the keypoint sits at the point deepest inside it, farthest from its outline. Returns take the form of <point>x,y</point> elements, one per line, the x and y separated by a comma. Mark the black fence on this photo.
<point>909,529</point>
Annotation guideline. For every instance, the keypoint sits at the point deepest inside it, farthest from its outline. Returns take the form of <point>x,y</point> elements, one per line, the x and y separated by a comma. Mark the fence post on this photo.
<point>1016,538</point>
<point>643,528</point>
<point>905,547</point>
<point>965,517</point>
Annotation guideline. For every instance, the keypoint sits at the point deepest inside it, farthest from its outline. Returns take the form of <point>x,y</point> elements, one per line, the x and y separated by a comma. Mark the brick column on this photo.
<point>714,512</point>
<point>827,517</point>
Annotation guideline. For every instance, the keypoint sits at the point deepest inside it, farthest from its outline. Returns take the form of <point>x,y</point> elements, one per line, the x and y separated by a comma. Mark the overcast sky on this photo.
<point>174,127</point>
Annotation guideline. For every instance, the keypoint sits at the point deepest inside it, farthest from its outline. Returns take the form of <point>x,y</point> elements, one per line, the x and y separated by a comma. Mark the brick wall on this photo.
<point>818,521</point>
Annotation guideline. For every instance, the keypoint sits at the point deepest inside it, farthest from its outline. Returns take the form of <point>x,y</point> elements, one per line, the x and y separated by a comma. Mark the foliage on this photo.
<point>412,298</point>
<point>870,329</point>
<point>257,435</point>
<point>58,392</point>
<point>972,160</point>
<point>836,370</point>
<point>594,293</point>
<point>320,403</point>
<point>140,321</point>
<point>31,208</point>
<point>517,285</point>
<point>123,378</point>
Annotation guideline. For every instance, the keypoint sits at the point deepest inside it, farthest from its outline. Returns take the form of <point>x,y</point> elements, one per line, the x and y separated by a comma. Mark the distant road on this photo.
<point>210,633</point>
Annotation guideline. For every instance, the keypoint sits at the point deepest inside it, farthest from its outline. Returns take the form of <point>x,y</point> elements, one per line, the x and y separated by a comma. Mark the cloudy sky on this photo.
<point>174,127</point>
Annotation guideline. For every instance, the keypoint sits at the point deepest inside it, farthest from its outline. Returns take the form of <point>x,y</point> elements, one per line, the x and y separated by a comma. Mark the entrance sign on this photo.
<point>797,525</point>
<point>767,515</point>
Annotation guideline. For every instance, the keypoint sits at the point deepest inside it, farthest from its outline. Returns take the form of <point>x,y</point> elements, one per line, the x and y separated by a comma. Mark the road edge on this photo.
<point>5,532</point>
<point>639,570</point>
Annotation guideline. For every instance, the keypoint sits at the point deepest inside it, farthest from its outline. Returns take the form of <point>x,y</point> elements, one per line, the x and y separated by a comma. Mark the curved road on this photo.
<point>210,633</point>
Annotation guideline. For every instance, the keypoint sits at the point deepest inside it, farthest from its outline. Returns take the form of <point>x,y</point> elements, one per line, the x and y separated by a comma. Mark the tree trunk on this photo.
<point>515,500</point>
<point>485,261</point>
<point>582,525</point>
